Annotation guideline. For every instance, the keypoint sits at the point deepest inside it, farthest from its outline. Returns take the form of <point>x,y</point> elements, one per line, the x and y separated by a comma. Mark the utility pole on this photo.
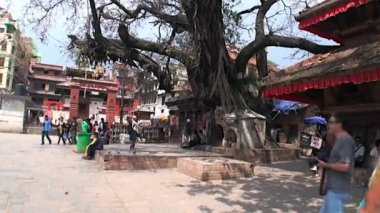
<point>123,82</point>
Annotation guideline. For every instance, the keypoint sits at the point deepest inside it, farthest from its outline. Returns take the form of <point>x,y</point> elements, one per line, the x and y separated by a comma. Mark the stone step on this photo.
<point>215,168</point>
<point>147,156</point>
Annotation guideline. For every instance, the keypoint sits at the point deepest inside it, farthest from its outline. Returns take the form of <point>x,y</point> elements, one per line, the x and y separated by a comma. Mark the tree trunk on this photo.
<point>211,128</point>
<point>211,80</point>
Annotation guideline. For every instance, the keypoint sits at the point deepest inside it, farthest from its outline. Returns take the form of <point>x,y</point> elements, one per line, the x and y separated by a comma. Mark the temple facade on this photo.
<point>82,93</point>
<point>345,80</point>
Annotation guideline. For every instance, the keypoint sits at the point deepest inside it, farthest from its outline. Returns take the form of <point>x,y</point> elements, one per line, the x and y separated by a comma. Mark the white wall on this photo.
<point>94,104</point>
<point>12,115</point>
<point>160,108</point>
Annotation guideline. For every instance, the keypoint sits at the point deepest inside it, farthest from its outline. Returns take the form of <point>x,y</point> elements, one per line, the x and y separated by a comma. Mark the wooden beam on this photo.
<point>353,108</point>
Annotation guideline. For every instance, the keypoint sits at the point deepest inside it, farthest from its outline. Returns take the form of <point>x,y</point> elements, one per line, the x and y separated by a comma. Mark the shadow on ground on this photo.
<point>282,187</point>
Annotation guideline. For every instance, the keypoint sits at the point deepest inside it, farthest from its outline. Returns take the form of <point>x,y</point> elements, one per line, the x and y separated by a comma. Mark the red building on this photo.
<point>80,93</point>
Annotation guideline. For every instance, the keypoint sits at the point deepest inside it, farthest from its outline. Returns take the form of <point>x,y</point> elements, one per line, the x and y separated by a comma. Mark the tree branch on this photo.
<point>95,21</point>
<point>115,50</point>
<point>159,48</point>
<point>261,56</point>
<point>250,10</point>
<point>179,20</point>
<point>278,41</point>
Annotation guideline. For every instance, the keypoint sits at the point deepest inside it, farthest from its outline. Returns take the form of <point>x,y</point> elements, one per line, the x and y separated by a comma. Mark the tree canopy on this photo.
<point>193,33</point>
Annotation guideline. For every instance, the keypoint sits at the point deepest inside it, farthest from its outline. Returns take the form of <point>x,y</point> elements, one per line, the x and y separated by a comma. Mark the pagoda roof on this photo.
<point>310,17</point>
<point>325,10</point>
<point>350,65</point>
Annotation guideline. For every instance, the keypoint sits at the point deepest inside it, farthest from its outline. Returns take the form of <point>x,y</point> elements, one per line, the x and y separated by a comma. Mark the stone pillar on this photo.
<point>111,102</point>
<point>74,101</point>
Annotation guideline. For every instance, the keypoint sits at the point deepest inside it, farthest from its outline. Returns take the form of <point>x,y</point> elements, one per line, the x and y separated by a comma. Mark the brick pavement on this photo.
<point>35,178</point>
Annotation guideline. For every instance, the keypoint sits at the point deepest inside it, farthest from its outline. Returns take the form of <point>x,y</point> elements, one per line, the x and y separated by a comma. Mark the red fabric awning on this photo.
<point>331,13</point>
<point>308,24</point>
<point>324,34</point>
<point>355,78</point>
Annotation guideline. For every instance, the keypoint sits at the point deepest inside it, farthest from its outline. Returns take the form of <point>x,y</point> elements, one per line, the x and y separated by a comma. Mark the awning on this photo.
<point>315,120</point>
<point>323,83</point>
<point>342,8</point>
<point>286,106</point>
<point>308,23</point>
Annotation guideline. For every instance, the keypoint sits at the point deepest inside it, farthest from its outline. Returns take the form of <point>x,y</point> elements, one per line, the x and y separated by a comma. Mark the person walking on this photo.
<point>339,167</point>
<point>46,127</point>
<point>73,130</point>
<point>61,130</point>
<point>67,135</point>
<point>102,126</point>
<point>132,134</point>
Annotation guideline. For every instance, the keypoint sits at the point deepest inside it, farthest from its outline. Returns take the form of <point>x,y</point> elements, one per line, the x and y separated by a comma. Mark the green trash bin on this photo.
<point>83,139</point>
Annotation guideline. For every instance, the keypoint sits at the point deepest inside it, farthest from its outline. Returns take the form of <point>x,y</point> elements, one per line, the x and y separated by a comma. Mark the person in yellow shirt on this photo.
<point>96,144</point>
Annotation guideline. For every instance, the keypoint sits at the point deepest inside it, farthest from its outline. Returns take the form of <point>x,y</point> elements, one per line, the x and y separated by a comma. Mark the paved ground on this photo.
<point>35,178</point>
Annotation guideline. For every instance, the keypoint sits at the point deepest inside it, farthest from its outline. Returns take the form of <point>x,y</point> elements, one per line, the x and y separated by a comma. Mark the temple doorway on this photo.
<point>84,110</point>
<point>219,135</point>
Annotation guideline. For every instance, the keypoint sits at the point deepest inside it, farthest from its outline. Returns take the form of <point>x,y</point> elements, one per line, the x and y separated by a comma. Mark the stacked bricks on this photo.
<point>141,160</point>
<point>112,161</point>
<point>213,168</point>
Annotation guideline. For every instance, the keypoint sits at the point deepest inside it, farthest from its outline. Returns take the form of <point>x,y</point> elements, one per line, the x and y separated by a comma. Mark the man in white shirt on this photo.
<point>359,152</point>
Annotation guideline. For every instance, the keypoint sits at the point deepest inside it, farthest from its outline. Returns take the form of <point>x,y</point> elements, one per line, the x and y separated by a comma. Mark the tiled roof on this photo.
<point>48,77</point>
<point>342,61</point>
<point>51,67</point>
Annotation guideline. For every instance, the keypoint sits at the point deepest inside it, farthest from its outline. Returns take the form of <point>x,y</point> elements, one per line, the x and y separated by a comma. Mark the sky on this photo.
<point>53,50</point>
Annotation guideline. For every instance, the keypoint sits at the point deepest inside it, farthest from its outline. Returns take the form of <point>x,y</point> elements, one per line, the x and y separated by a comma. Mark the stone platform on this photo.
<point>211,168</point>
<point>255,155</point>
<point>147,156</point>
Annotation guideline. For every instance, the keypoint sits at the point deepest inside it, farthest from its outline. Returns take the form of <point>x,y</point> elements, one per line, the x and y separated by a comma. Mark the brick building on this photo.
<point>80,93</point>
<point>15,54</point>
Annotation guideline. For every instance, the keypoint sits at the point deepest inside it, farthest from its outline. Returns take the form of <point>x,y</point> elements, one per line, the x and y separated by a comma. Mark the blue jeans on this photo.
<point>334,202</point>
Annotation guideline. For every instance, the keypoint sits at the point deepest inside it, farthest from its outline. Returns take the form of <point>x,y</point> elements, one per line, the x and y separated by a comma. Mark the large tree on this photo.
<point>195,33</point>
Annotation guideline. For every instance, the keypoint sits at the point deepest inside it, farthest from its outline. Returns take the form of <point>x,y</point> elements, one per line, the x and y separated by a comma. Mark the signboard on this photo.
<point>316,142</point>
<point>305,139</point>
